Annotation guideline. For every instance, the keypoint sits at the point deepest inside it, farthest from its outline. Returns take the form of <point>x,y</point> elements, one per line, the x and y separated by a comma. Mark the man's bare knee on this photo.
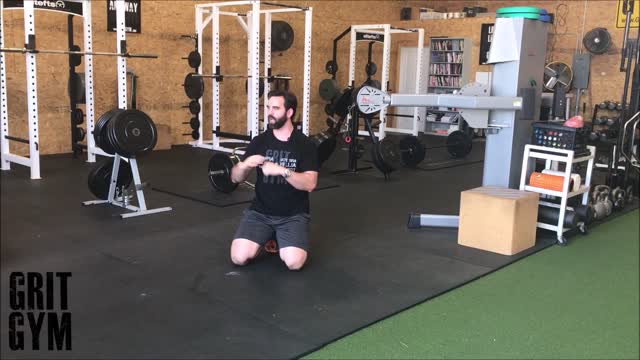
<point>295,264</point>
<point>243,250</point>
<point>294,258</point>
<point>239,260</point>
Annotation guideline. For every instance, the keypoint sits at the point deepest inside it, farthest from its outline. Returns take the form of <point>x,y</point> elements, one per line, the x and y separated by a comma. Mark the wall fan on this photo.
<point>557,73</point>
<point>597,41</point>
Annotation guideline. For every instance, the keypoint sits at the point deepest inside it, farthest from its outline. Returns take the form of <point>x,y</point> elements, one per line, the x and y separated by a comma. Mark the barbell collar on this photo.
<point>82,53</point>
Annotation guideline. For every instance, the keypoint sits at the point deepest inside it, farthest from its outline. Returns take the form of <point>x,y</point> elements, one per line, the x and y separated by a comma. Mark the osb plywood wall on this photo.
<point>573,20</point>
<point>161,95</point>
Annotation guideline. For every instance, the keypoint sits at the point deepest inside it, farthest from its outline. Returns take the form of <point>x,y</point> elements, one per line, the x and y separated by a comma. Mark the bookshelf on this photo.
<point>449,68</point>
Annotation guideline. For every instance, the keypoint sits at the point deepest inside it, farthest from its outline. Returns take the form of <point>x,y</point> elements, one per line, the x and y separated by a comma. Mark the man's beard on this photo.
<point>278,122</point>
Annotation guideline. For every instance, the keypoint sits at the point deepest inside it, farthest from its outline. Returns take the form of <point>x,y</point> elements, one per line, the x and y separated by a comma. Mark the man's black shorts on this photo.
<point>286,230</point>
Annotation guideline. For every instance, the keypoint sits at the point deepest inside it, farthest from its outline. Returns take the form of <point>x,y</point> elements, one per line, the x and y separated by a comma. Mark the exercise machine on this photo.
<point>506,109</point>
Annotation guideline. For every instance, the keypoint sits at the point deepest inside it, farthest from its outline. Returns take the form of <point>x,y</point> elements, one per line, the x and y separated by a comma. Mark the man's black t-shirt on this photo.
<point>274,194</point>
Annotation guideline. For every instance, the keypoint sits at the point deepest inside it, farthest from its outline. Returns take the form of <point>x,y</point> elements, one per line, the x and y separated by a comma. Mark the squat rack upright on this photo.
<point>80,8</point>
<point>210,14</point>
<point>76,8</point>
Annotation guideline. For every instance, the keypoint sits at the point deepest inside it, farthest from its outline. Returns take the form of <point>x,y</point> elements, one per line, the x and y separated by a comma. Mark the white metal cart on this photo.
<point>553,157</point>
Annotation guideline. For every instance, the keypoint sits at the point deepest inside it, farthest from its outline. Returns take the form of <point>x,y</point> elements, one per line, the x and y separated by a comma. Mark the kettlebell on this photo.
<point>597,190</point>
<point>618,198</point>
<point>604,197</point>
<point>599,210</point>
<point>629,192</point>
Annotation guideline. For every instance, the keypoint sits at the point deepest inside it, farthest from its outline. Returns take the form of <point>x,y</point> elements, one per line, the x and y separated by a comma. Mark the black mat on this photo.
<point>162,286</point>
<point>438,158</point>
<point>186,178</point>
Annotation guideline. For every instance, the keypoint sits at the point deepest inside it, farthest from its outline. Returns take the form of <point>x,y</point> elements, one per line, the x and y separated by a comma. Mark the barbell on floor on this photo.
<point>387,155</point>
<point>410,151</point>
<point>219,172</point>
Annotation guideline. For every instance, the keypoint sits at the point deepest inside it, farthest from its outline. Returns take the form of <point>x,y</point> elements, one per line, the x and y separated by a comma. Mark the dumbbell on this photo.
<point>612,121</point>
<point>611,105</point>
<point>600,121</point>
<point>603,136</point>
<point>603,105</point>
<point>619,106</point>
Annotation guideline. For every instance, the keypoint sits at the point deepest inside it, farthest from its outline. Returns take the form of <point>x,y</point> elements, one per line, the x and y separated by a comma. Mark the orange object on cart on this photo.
<point>547,181</point>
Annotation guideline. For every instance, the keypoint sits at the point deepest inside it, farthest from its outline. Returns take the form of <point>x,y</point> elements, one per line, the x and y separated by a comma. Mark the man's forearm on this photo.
<point>239,173</point>
<point>302,181</point>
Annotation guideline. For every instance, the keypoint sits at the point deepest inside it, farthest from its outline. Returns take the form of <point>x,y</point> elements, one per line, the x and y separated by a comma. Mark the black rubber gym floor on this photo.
<point>162,285</point>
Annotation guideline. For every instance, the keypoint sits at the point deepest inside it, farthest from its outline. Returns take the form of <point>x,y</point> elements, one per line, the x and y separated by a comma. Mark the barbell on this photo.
<point>81,53</point>
<point>388,155</point>
<point>219,172</point>
<point>220,77</point>
<point>194,83</point>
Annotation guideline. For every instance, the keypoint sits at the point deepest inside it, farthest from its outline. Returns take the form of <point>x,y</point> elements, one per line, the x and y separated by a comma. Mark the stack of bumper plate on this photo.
<point>526,12</point>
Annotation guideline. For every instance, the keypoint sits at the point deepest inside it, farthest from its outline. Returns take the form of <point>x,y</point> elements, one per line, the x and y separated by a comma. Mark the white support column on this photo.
<point>352,56</point>
<point>267,66</point>
<point>215,93</point>
<point>254,67</point>
<point>4,115</point>
<point>137,183</point>
<point>418,78</point>
<point>122,61</point>
<point>386,55</point>
<point>250,26</point>
<point>308,16</point>
<point>199,30</point>
<point>88,80</point>
<point>352,64</point>
<point>32,92</point>
<point>114,178</point>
